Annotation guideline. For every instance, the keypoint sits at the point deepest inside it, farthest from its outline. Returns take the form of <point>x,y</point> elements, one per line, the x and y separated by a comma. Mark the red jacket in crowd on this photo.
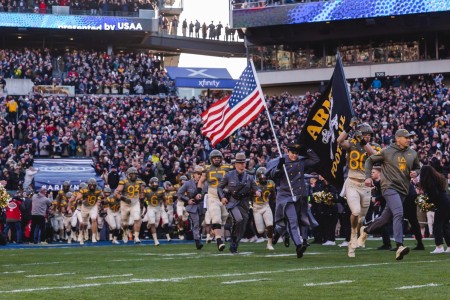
<point>13,213</point>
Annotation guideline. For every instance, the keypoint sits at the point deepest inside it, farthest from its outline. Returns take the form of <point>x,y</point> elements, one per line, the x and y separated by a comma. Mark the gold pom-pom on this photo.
<point>324,197</point>
<point>4,197</point>
<point>424,204</point>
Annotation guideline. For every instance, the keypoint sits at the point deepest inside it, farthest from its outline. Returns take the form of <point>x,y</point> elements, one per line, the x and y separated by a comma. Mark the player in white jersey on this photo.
<point>357,194</point>
<point>129,191</point>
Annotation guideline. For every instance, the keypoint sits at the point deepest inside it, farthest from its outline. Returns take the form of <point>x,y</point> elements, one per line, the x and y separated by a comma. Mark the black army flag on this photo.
<point>326,120</point>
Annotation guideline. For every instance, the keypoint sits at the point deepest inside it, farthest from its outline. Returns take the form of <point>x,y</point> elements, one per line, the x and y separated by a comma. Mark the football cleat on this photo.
<point>362,237</point>
<point>221,247</point>
<point>401,252</point>
<point>351,251</point>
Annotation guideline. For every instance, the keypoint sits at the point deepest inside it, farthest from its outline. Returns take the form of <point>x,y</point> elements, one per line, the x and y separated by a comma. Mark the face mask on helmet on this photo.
<point>216,161</point>
<point>262,179</point>
<point>92,184</point>
<point>132,176</point>
<point>183,179</point>
<point>168,186</point>
<point>215,158</point>
<point>154,183</point>
<point>66,186</point>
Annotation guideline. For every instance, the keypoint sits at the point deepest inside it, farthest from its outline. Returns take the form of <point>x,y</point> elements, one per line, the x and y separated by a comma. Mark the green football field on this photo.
<point>178,271</point>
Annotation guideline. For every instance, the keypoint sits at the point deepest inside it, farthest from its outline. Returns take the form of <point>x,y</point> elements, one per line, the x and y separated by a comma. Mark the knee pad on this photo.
<point>216,226</point>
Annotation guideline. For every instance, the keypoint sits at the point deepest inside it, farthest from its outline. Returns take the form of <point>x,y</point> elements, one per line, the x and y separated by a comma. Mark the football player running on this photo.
<point>212,175</point>
<point>112,213</point>
<point>262,213</point>
<point>170,195</point>
<point>357,194</point>
<point>128,191</point>
<point>182,215</point>
<point>89,210</point>
<point>154,197</point>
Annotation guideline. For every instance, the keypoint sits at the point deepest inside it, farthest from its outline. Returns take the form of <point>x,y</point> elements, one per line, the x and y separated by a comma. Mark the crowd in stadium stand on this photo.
<point>160,135</point>
<point>89,7</point>
<point>90,72</point>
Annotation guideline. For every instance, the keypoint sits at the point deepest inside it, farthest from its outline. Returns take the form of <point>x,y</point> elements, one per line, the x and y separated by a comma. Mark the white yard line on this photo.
<point>167,254</point>
<point>328,283</point>
<point>48,275</point>
<point>13,272</point>
<point>34,264</point>
<point>108,276</point>
<point>243,281</point>
<point>178,279</point>
<point>129,259</point>
<point>407,287</point>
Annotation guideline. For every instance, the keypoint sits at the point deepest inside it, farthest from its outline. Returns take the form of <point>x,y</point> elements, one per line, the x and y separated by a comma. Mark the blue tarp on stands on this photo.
<point>201,78</point>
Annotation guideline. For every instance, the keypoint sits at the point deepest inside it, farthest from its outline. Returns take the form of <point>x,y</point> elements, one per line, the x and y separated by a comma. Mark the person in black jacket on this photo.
<point>435,186</point>
<point>113,178</point>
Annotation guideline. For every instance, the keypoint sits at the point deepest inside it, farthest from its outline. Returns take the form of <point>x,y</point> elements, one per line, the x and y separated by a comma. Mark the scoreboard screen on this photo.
<point>328,11</point>
<point>82,22</point>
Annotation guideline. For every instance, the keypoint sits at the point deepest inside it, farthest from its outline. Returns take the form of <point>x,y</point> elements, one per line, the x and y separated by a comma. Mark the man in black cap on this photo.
<point>399,163</point>
<point>235,191</point>
<point>290,202</point>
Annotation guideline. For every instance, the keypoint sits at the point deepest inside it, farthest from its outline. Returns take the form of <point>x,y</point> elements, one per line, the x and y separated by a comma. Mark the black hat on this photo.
<point>294,147</point>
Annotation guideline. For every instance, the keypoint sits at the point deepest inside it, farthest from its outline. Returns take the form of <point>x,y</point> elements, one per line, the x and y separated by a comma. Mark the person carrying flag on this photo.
<point>290,190</point>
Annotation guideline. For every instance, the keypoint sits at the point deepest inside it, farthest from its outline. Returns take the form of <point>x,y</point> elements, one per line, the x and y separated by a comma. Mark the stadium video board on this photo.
<point>327,11</point>
<point>50,21</point>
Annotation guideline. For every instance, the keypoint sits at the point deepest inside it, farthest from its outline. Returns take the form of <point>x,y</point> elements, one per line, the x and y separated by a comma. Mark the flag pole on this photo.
<point>273,129</point>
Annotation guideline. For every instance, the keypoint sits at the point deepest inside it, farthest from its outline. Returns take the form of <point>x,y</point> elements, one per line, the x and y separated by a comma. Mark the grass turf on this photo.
<point>178,271</point>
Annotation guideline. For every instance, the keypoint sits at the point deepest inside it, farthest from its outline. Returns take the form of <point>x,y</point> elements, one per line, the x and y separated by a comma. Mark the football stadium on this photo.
<point>322,171</point>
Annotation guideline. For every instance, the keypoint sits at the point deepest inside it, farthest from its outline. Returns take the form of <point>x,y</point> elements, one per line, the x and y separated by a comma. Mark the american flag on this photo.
<point>227,115</point>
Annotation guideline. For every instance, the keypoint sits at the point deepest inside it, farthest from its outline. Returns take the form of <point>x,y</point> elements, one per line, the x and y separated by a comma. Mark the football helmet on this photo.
<point>261,175</point>
<point>92,184</point>
<point>167,185</point>
<point>365,128</point>
<point>154,183</point>
<point>132,173</point>
<point>66,186</point>
<point>183,179</point>
<point>215,153</point>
